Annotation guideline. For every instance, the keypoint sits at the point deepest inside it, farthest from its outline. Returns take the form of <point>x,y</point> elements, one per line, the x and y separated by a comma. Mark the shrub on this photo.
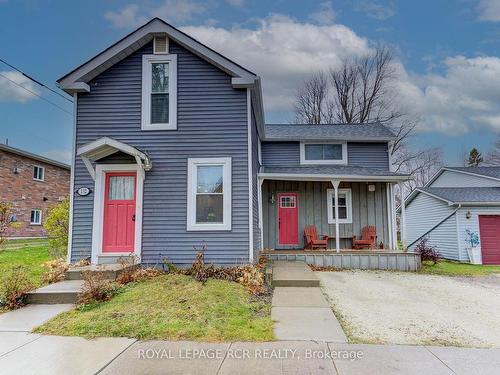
<point>5,220</point>
<point>57,226</point>
<point>96,288</point>
<point>56,271</point>
<point>138,274</point>
<point>13,288</point>
<point>253,280</point>
<point>427,252</point>
<point>82,263</point>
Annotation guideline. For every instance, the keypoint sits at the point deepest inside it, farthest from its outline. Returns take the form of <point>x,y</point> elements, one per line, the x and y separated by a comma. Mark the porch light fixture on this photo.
<point>468,215</point>
<point>272,198</point>
<point>371,187</point>
<point>148,164</point>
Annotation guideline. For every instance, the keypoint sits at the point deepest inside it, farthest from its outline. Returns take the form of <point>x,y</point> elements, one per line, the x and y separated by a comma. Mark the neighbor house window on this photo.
<point>345,206</point>
<point>159,92</point>
<point>209,194</point>
<point>38,173</point>
<point>323,153</point>
<point>36,217</point>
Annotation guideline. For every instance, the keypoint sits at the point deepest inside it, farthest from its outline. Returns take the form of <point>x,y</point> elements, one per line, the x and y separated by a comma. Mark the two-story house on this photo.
<point>458,211</point>
<point>31,184</point>
<point>171,150</point>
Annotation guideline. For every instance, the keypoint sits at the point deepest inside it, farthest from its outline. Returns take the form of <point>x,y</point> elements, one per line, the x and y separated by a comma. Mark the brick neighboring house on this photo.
<point>33,184</point>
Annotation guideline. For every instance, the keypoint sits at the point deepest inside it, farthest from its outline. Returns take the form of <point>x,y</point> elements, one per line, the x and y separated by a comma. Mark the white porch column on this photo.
<point>336,184</point>
<point>261,225</point>
<point>403,215</point>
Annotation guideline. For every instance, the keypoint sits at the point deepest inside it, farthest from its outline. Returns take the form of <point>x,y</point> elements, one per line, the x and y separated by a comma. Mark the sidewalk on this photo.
<point>23,353</point>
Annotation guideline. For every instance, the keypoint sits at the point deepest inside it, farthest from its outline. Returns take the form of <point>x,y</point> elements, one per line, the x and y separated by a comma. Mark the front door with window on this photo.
<point>288,219</point>
<point>119,212</point>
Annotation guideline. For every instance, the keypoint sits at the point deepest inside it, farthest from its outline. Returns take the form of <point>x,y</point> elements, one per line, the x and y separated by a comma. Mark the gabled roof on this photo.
<point>78,77</point>
<point>461,195</point>
<point>339,132</point>
<point>493,172</point>
<point>36,157</point>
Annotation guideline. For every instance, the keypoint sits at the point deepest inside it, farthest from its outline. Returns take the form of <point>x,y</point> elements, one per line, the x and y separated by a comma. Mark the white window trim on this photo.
<point>40,216</point>
<point>43,173</point>
<point>147,60</point>
<point>329,198</point>
<point>327,162</point>
<point>193,163</point>
<point>98,215</point>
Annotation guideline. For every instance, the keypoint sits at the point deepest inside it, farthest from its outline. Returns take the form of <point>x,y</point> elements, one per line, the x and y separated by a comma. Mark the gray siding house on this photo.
<point>459,212</point>
<point>171,151</point>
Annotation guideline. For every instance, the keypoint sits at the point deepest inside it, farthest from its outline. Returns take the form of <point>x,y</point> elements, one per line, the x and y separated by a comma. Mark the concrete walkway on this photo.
<point>23,353</point>
<point>299,309</point>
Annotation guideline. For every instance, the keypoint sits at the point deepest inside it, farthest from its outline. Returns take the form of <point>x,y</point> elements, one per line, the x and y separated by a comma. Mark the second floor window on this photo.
<point>323,153</point>
<point>159,92</point>
<point>38,173</point>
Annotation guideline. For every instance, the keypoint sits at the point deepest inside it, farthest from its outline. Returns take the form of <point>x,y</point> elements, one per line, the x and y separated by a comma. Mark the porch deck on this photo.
<point>350,259</point>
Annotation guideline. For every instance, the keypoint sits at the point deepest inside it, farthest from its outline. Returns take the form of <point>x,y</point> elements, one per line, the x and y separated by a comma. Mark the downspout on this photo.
<point>437,225</point>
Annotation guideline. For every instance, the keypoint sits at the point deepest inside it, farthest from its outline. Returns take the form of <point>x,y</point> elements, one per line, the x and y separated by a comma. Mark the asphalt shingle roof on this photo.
<point>484,171</point>
<point>466,194</point>
<point>348,132</point>
<point>337,170</point>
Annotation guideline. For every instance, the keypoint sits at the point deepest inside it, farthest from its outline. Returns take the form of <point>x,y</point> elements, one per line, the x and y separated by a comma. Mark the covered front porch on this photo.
<point>293,201</point>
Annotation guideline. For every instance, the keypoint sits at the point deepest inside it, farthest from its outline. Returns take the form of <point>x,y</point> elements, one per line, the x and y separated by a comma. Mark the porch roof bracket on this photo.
<point>336,184</point>
<point>106,146</point>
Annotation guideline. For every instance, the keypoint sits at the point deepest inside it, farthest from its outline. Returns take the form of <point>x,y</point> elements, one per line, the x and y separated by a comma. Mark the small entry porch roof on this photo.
<point>105,146</point>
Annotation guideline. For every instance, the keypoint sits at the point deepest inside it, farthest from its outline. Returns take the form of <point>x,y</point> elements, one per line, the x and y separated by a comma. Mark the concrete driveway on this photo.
<point>416,309</point>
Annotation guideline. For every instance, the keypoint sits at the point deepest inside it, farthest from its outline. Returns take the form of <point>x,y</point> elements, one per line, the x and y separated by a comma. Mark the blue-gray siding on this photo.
<point>212,122</point>
<point>373,155</point>
<point>368,208</point>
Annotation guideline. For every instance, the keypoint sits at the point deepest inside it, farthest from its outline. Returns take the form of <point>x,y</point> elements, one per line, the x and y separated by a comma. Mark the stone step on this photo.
<point>293,274</point>
<point>109,271</point>
<point>61,292</point>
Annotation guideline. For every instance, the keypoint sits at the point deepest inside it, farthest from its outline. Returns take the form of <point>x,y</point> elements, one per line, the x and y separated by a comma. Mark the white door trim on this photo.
<point>98,214</point>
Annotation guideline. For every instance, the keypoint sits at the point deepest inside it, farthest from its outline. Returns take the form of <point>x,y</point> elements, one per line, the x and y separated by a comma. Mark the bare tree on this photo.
<point>310,107</point>
<point>361,91</point>
<point>493,158</point>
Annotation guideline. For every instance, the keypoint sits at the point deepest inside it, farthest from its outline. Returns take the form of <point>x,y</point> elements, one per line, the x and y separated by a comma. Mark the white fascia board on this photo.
<point>329,139</point>
<point>328,177</point>
<point>146,32</point>
<point>106,141</point>
<point>470,173</point>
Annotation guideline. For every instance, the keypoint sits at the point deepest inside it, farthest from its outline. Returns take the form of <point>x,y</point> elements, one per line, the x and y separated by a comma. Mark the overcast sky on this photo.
<point>447,57</point>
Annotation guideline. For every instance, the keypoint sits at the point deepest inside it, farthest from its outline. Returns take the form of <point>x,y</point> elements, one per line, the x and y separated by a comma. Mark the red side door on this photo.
<point>489,229</point>
<point>288,219</point>
<point>119,212</point>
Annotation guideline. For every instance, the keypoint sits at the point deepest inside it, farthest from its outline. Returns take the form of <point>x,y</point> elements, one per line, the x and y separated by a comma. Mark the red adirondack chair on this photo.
<point>312,241</point>
<point>368,238</point>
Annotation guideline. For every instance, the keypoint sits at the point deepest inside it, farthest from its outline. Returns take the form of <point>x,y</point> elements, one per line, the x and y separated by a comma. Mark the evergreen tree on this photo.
<point>475,158</point>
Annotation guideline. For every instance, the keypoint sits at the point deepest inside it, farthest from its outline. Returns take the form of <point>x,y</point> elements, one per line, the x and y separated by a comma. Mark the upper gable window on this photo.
<point>159,92</point>
<point>323,153</point>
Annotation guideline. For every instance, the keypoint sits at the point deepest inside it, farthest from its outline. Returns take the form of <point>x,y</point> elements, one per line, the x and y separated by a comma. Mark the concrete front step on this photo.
<point>109,271</point>
<point>61,292</point>
<point>293,274</point>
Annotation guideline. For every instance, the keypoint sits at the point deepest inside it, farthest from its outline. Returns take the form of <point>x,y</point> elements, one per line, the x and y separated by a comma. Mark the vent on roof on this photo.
<point>160,44</point>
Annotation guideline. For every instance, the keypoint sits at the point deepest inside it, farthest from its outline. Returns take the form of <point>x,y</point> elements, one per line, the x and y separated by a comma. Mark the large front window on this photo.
<point>209,194</point>
<point>159,92</point>
<point>344,206</point>
<point>323,153</point>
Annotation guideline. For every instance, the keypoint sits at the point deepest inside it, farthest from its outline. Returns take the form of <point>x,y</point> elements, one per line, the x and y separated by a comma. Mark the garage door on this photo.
<point>489,228</point>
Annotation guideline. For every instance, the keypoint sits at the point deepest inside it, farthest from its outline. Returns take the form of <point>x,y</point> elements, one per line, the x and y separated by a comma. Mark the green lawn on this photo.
<point>172,307</point>
<point>29,253</point>
<point>449,268</point>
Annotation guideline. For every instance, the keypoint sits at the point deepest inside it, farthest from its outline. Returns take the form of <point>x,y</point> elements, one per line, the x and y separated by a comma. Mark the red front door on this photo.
<point>119,212</point>
<point>288,219</point>
<point>489,228</point>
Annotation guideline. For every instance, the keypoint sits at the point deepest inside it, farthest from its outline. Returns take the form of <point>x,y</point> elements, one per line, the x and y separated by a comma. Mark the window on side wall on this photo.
<point>38,173</point>
<point>323,153</point>
<point>209,194</point>
<point>36,217</point>
<point>345,206</point>
<point>159,92</point>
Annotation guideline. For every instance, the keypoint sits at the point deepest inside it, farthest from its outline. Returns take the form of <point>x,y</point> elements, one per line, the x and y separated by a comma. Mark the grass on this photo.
<point>171,307</point>
<point>448,268</point>
<point>29,253</point>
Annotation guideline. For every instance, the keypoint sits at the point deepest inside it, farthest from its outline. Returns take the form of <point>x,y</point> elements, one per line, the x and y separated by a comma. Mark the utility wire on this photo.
<point>34,93</point>
<point>36,81</point>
